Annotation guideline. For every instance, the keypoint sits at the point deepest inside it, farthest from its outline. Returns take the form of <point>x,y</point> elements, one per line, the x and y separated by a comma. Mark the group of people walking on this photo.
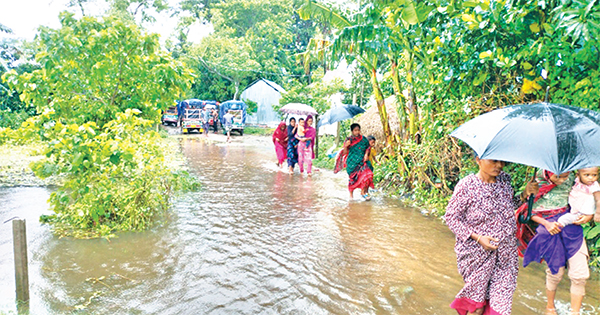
<point>489,238</point>
<point>295,143</point>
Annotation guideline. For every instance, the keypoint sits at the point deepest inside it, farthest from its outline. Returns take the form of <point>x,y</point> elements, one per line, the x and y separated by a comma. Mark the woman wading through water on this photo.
<point>481,213</point>
<point>355,158</point>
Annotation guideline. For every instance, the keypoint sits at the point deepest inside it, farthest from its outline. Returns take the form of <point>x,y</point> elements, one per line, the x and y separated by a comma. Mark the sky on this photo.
<point>25,16</point>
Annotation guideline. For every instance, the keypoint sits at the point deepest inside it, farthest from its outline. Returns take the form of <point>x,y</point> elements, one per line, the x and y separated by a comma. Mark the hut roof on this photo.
<point>370,123</point>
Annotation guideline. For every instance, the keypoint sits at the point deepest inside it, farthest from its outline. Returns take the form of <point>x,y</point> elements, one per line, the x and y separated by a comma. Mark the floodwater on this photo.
<point>254,241</point>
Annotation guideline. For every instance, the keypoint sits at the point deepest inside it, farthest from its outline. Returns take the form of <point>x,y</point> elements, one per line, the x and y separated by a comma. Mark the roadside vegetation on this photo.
<point>259,131</point>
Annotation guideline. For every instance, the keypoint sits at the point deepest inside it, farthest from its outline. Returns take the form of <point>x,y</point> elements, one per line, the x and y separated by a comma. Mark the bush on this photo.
<point>116,178</point>
<point>324,161</point>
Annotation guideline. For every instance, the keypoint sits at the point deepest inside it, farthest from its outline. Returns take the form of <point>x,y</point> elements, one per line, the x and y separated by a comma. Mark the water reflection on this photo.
<point>254,241</point>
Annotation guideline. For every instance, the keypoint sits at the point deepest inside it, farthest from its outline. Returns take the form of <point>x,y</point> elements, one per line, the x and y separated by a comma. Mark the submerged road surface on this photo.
<point>254,241</point>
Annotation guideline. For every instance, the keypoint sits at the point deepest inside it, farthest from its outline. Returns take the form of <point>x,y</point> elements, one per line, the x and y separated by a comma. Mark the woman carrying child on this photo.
<point>306,152</point>
<point>558,244</point>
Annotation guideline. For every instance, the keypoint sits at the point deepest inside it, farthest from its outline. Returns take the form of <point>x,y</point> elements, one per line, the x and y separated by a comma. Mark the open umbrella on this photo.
<point>298,109</point>
<point>339,113</point>
<point>554,137</point>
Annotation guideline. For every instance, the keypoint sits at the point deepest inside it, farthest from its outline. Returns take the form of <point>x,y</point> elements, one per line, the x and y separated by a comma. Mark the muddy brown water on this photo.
<point>254,241</point>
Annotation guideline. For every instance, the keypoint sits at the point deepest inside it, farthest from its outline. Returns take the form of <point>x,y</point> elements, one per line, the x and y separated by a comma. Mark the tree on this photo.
<point>14,56</point>
<point>100,89</point>
<point>139,8</point>
<point>122,69</point>
<point>228,58</point>
<point>358,40</point>
<point>267,34</point>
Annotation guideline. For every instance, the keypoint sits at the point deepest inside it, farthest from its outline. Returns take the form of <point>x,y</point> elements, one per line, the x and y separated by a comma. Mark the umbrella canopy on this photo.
<point>298,109</point>
<point>554,137</point>
<point>339,113</point>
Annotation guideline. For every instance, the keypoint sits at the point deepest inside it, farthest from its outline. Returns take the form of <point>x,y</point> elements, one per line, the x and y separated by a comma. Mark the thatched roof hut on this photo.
<point>370,122</point>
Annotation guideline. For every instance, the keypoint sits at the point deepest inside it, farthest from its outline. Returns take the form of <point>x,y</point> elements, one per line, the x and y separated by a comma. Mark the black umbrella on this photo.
<point>554,137</point>
<point>339,113</point>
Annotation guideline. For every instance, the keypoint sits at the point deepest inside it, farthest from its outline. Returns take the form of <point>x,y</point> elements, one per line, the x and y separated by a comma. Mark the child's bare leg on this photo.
<point>579,272</point>
<point>576,301</point>
<point>552,281</point>
<point>550,307</point>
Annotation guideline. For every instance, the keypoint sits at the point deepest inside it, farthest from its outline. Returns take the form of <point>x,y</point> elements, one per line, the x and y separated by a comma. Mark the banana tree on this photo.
<point>357,39</point>
<point>316,50</point>
<point>365,44</point>
<point>405,19</point>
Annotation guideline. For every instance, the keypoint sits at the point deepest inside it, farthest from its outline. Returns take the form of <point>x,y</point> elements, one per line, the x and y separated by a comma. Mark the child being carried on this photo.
<point>301,132</point>
<point>584,198</point>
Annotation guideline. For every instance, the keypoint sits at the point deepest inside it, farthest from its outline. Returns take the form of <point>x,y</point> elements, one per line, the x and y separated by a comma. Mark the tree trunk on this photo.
<point>413,110</point>
<point>237,90</point>
<point>399,97</point>
<point>389,140</point>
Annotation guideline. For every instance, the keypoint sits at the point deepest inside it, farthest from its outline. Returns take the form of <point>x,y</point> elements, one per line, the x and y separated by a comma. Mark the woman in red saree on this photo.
<point>355,158</point>
<point>280,140</point>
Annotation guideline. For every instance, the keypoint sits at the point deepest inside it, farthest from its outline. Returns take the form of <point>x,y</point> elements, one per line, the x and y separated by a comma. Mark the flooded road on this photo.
<point>254,241</point>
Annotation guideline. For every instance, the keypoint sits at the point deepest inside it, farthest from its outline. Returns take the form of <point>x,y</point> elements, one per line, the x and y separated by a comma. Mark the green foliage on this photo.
<point>324,161</point>
<point>100,89</point>
<point>591,231</point>
<point>315,95</point>
<point>13,55</point>
<point>122,69</point>
<point>228,58</point>
<point>115,177</point>
<point>258,131</point>
<point>252,106</point>
<point>137,8</point>
<point>252,40</point>
<point>7,135</point>
<point>449,61</point>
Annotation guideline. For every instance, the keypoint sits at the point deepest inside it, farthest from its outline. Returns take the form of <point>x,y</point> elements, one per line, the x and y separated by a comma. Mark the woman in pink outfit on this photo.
<point>481,213</point>
<point>306,152</point>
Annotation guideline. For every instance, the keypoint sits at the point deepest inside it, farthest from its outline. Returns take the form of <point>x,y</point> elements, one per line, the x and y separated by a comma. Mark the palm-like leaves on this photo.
<point>5,29</point>
<point>365,42</point>
<point>317,49</point>
<point>317,11</point>
<point>580,19</point>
